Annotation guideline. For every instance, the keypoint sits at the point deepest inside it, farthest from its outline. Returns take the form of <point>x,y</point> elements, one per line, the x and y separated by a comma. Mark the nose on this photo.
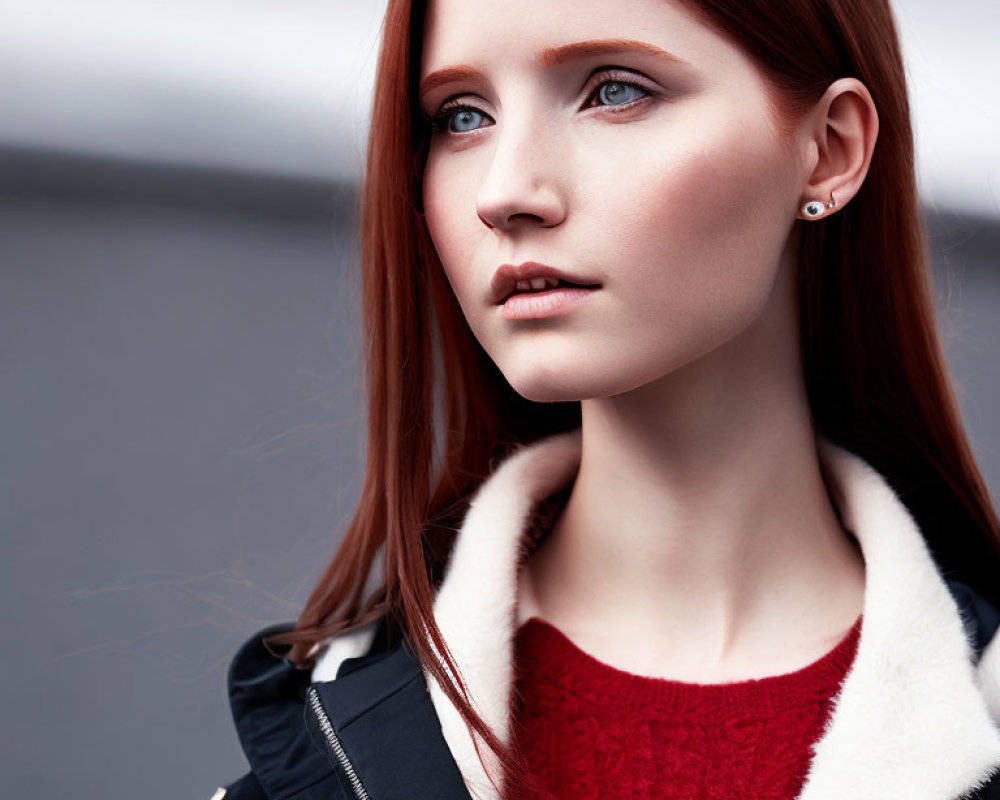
<point>524,185</point>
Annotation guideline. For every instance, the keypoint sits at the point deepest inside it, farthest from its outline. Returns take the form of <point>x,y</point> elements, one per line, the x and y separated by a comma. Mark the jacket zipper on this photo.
<point>338,749</point>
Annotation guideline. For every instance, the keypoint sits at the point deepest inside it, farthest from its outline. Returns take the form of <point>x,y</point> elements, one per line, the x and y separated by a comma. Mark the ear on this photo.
<point>839,138</point>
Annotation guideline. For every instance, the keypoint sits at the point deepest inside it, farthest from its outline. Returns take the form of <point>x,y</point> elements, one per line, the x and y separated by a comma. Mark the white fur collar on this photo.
<point>914,717</point>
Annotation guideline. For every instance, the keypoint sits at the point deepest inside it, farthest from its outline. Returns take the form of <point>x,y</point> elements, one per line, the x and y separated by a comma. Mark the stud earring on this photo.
<point>815,208</point>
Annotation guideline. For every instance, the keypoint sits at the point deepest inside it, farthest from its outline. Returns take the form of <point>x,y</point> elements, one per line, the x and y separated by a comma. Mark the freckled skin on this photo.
<point>680,207</point>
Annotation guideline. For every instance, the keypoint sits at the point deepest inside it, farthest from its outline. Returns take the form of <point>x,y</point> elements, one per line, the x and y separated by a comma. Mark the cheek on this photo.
<point>449,209</point>
<point>686,227</point>
<point>449,193</point>
<point>700,223</point>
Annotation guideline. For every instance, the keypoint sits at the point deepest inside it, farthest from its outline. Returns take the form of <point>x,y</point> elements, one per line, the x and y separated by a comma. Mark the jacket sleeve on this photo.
<point>245,788</point>
<point>249,788</point>
<point>267,700</point>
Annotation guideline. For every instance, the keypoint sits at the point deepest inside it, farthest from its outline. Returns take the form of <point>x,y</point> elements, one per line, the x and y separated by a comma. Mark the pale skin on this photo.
<point>699,542</point>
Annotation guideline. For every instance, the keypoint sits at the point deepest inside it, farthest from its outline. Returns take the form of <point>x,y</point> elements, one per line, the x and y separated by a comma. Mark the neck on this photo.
<point>699,514</point>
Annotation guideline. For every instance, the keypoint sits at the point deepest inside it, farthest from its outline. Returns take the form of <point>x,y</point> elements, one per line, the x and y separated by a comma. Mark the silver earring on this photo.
<point>815,208</point>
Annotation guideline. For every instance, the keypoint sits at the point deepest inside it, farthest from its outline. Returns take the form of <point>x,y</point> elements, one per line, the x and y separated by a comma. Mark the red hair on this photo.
<point>440,414</point>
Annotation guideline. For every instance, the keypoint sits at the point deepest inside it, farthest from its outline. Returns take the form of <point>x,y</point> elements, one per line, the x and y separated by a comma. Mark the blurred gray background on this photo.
<point>179,342</point>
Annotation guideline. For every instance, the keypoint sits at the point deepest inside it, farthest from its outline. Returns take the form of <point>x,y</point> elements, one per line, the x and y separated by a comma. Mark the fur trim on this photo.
<point>915,718</point>
<point>475,606</point>
<point>909,720</point>
<point>989,676</point>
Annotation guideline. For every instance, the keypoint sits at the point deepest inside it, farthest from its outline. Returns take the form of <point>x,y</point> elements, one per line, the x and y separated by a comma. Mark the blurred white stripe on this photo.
<point>284,86</point>
<point>952,52</point>
<point>246,84</point>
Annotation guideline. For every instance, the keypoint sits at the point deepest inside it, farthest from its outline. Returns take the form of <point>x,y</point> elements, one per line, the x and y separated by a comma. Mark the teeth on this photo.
<point>536,284</point>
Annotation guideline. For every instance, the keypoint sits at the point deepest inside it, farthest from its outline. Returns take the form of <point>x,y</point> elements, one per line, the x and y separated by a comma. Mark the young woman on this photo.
<point>666,481</point>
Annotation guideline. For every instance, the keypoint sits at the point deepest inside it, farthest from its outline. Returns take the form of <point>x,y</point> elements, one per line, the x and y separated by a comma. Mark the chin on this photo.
<point>580,379</point>
<point>541,383</point>
<point>545,384</point>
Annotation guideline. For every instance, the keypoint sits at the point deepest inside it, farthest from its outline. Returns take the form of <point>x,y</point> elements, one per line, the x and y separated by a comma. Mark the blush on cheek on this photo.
<point>724,203</point>
<point>452,222</point>
<point>701,239</point>
<point>442,234</point>
<point>721,187</point>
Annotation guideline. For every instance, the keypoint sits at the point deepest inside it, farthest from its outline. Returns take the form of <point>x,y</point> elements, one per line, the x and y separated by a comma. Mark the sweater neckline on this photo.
<point>547,656</point>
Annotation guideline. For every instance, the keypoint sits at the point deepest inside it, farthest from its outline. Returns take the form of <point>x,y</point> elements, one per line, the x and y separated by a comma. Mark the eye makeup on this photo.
<point>441,121</point>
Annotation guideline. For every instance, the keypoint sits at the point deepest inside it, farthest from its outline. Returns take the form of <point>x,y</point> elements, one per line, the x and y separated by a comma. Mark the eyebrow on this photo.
<point>554,56</point>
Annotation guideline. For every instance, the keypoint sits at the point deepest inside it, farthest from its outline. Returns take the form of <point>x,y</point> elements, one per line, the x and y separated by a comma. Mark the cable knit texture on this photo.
<point>589,730</point>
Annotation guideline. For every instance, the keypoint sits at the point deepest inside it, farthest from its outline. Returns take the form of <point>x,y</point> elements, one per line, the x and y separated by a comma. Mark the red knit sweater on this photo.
<point>589,730</point>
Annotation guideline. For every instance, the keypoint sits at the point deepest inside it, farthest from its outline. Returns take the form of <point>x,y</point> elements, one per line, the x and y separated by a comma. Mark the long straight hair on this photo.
<point>441,415</point>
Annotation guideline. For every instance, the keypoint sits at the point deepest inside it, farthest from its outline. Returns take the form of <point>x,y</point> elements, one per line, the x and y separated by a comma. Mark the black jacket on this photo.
<point>372,725</point>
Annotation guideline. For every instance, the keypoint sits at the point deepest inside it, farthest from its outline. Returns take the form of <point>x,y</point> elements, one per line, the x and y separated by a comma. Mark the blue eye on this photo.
<point>464,120</point>
<point>618,92</point>
<point>456,118</point>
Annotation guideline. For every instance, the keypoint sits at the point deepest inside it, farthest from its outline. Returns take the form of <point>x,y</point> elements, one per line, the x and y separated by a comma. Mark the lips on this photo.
<point>504,282</point>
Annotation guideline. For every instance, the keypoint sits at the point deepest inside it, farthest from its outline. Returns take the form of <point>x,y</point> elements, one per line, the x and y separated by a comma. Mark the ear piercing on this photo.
<point>815,208</point>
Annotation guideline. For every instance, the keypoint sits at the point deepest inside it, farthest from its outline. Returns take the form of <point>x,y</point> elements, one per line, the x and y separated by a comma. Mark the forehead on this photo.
<point>480,32</point>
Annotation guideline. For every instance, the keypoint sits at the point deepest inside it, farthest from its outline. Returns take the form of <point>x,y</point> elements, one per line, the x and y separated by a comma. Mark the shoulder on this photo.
<point>267,697</point>
<point>980,616</point>
<point>981,619</point>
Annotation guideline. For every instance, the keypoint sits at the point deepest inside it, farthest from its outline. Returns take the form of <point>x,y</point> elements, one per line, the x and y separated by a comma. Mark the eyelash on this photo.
<point>440,121</point>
